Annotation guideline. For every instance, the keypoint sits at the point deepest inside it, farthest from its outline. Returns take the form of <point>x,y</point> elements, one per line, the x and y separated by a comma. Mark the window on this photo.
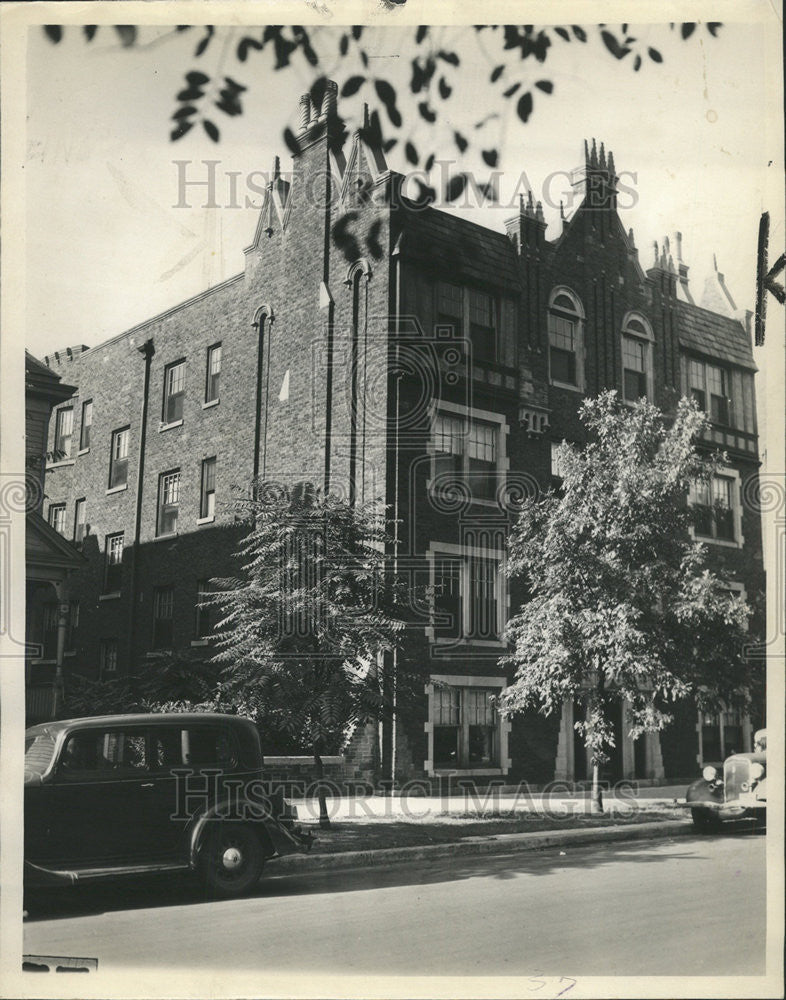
<point>168,502</point>
<point>450,306</point>
<point>51,628</point>
<point>557,460</point>
<point>637,341</point>
<point>87,423</point>
<point>113,566</point>
<point>710,384</point>
<point>80,521</point>
<point>213,375</point>
<point>483,326</point>
<point>64,428</point>
<point>466,449</point>
<point>467,592</point>
<point>207,501</point>
<point>565,339</point>
<point>118,458</point>
<point>716,509</point>
<point>204,624</point>
<point>465,733</point>
<point>57,517</point>
<point>163,606</point>
<point>174,391</point>
<point>107,656</point>
<point>104,754</point>
<point>721,734</point>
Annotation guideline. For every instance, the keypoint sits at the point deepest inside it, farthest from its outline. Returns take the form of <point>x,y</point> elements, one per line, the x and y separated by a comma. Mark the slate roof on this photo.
<point>469,251</point>
<point>714,335</point>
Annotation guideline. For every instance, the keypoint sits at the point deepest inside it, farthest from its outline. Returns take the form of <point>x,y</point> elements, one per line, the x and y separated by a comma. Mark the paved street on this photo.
<point>687,906</point>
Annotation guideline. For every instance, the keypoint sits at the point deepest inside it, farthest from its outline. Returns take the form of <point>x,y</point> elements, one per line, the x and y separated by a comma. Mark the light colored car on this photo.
<point>738,790</point>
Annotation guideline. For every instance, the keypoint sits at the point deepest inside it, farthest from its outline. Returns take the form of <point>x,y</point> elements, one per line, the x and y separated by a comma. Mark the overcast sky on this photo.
<point>107,248</point>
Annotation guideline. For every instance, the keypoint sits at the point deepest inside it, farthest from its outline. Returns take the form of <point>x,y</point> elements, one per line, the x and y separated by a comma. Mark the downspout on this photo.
<point>260,325</point>
<point>147,351</point>
<point>395,504</point>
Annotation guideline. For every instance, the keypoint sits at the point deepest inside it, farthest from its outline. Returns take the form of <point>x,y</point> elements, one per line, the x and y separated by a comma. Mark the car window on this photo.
<point>103,754</point>
<point>38,752</point>
<point>208,746</point>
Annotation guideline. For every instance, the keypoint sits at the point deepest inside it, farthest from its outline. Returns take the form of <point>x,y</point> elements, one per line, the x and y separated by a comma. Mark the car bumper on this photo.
<point>725,810</point>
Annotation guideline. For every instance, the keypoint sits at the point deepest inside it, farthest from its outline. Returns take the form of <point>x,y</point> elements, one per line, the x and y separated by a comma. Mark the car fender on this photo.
<point>249,812</point>
<point>703,792</point>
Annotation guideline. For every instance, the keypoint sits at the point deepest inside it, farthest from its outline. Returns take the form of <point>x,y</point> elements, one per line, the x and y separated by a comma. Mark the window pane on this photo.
<point>562,332</point>
<point>563,366</point>
<point>87,420</point>
<point>80,520</point>
<point>446,746</point>
<point>633,354</point>
<point>203,614</point>
<point>447,599</point>
<point>450,300</point>
<point>483,598</point>
<point>65,423</point>
<point>448,434</point>
<point>213,373</point>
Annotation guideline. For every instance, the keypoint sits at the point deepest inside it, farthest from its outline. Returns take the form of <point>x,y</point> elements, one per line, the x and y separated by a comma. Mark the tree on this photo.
<point>307,617</point>
<point>622,603</point>
<point>513,58</point>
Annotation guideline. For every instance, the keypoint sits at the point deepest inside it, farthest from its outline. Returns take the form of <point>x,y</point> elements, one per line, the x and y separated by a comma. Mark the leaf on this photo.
<point>613,45</point>
<point>292,144</point>
<point>449,57</point>
<point>184,112</point>
<point>357,31</point>
<point>545,85</point>
<point>343,45</point>
<point>637,64</point>
<point>389,144</point>
<point>209,30</point>
<point>511,90</point>
<point>445,90</point>
<point>490,157</point>
<point>237,87</point>
<point>211,129</point>
<point>688,28</point>
<point>127,33</point>
<point>712,27</point>
<point>524,107</point>
<point>364,59</point>
<point>421,33</point>
<point>245,44</point>
<point>197,79</point>
<point>654,55</point>
<point>426,112</point>
<point>352,86</point>
<point>580,33</point>
<point>429,163</point>
<point>563,34</point>
<point>90,30</point>
<point>180,130</point>
<point>455,187</point>
<point>460,141</point>
<point>411,153</point>
<point>497,72</point>
<point>53,32</point>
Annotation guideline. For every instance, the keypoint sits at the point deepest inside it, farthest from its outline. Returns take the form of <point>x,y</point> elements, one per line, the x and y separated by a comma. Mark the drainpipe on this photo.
<point>396,506</point>
<point>147,351</point>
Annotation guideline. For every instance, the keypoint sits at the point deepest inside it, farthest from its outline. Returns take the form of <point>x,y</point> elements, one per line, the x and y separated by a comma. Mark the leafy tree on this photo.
<point>307,616</point>
<point>622,603</point>
<point>514,57</point>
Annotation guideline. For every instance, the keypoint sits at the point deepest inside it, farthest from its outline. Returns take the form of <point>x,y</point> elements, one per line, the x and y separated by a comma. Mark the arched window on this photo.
<point>566,339</point>
<point>637,342</point>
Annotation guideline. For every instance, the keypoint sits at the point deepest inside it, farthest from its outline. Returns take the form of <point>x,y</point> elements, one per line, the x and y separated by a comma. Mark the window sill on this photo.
<point>60,465</point>
<point>117,489</point>
<point>708,540</point>
<point>83,451</point>
<point>69,652</point>
<point>200,642</point>
<point>566,385</point>
<point>168,537</point>
<point>206,520</point>
<point>168,427</point>
<point>210,403</point>
<point>456,495</point>
<point>114,596</point>
<point>462,644</point>
<point>467,772</point>
<point>154,654</point>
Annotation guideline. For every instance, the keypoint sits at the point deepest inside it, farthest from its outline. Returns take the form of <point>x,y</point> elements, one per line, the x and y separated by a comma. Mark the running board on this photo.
<point>39,875</point>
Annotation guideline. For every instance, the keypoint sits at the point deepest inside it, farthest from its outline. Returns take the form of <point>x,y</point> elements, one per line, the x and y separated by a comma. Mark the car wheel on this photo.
<point>705,821</point>
<point>232,859</point>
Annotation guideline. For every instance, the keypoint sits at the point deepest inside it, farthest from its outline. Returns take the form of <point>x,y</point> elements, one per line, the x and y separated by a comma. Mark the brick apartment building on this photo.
<point>385,348</point>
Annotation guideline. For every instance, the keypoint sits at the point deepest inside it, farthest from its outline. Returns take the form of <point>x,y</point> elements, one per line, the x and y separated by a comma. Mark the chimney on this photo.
<point>683,291</point>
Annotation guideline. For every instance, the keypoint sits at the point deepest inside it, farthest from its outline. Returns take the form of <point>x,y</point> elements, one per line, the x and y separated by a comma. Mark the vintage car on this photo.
<point>132,794</point>
<point>737,790</point>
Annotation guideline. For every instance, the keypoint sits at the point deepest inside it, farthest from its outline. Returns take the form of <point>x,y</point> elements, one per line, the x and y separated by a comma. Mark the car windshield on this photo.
<point>39,750</point>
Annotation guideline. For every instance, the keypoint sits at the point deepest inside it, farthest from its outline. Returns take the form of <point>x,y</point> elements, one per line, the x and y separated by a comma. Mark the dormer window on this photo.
<point>566,340</point>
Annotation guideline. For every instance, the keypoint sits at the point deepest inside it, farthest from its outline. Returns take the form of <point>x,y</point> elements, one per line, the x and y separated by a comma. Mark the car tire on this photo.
<point>705,821</point>
<point>231,859</point>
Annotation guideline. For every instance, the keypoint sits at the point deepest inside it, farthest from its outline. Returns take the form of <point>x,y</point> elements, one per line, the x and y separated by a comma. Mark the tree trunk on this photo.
<point>324,818</point>
<point>596,802</point>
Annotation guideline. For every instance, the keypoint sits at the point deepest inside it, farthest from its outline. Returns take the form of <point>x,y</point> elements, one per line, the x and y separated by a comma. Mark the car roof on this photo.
<point>137,719</point>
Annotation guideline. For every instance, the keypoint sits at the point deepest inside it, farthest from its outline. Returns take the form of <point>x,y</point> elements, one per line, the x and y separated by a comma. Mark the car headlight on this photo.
<point>757,771</point>
<point>709,773</point>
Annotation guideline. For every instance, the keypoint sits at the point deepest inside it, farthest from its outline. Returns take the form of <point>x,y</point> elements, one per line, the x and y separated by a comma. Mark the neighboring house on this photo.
<point>51,617</point>
<point>387,349</point>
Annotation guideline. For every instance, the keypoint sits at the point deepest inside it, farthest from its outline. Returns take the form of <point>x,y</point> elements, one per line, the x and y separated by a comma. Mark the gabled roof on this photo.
<point>42,381</point>
<point>46,548</point>
<point>463,248</point>
<point>714,335</point>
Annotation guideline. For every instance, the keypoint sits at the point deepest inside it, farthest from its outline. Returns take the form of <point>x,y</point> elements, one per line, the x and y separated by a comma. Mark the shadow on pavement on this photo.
<point>184,890</point>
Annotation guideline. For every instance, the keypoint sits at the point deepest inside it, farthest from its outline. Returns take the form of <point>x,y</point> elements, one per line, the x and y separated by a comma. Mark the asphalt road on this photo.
<point>686,906</point>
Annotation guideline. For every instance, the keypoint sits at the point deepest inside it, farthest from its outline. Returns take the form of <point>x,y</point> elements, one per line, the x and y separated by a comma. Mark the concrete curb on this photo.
<point>494,844</point>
